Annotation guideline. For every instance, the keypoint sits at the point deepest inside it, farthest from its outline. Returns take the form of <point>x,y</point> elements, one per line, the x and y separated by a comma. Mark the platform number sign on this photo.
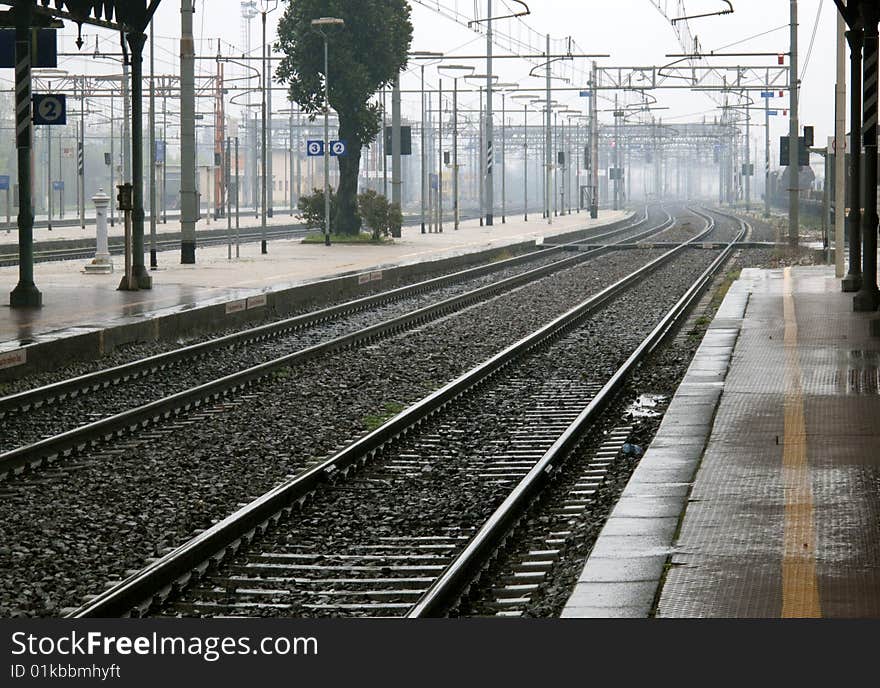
<point>314,148</point>
<point>338,148</point>
<point>50,109</point>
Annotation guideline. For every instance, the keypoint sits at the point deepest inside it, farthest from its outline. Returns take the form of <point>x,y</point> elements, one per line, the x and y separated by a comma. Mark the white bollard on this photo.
<point>102,264</point>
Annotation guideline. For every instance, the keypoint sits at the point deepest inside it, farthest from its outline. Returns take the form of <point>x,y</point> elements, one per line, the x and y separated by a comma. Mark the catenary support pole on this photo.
<point>793,129</point>
<point>188,199</point>
<point>396,181</point>
<point>490,136</point>
<point>153,257</point>
<point>548,144</point>
<point>594,145</point>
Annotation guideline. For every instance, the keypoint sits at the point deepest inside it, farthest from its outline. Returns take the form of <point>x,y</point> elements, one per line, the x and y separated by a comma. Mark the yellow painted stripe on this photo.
<point>800,588</point>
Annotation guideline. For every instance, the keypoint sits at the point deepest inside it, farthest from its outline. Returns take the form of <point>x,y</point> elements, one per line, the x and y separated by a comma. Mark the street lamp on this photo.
<point>505,86</point>
<point>482,153</point>
<point>321,25</point>
<point>455,68</point>
<point>529,97</point>
<point>428,56</point>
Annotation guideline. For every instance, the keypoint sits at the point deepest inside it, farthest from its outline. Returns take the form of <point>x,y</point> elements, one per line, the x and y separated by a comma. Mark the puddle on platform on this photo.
<point>647,406</point>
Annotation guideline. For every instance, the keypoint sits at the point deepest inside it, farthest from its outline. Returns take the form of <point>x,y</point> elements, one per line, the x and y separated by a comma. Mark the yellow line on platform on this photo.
<point>800,588</point>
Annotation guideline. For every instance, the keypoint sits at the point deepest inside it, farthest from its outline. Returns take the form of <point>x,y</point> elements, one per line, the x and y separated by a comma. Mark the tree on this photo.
<point>365,56</point>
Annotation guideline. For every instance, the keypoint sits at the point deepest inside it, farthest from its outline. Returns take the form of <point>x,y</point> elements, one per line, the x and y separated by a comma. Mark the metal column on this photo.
<point>868,296</point>
<point>793,144</point>
<point>188,200</point>
<point>490,142</point>
<point>25,294</point>
<point>853,280</point>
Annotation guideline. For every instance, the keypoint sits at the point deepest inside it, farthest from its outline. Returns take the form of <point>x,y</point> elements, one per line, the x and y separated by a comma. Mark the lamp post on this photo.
<point>524,96</point>
<point>424,55</point>
<point>320,26</point>
<point>504,86</point>
<point>455,78</point>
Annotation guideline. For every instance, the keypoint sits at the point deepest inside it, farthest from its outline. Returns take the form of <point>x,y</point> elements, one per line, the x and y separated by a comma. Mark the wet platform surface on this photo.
<point>782,499</point>
<point>75,302</point>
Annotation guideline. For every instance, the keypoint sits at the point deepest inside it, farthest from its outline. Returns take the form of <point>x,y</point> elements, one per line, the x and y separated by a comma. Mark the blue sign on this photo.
<point>4,182</point>
<point>586,94</point>
<point>338,148</point>
<point>766,94</point>
<point>50,108</point>
<point>58,186</point>
<point>772,112</point>
<point>160,152</point>
<point>434,181</point>
<point>314,149</point>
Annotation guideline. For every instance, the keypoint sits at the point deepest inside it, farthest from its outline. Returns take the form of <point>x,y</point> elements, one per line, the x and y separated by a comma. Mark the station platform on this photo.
<point>217,291</point>
<point>760,495</point>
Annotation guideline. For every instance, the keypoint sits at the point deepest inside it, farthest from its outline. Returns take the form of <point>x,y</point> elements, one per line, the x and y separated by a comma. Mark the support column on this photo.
<point>594,146</point>
<point>136,42</point>
<point>490,136</point>
<point>395,141</point>
<point>853,280</point>
<point>188,199</point>
<point>793,143</point>
<point>25,294</point>
<point>868,296</point>
<point>839,147</point>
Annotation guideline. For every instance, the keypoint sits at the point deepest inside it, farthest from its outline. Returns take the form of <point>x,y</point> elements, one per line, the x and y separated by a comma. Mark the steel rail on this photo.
<point>445,592</point>
<point>176,569</point>
<point>102,378</point>
<point>105,429</point>
<point>218,237</point>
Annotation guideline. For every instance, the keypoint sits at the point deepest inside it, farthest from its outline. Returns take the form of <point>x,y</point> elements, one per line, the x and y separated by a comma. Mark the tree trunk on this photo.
<point>347,220</point>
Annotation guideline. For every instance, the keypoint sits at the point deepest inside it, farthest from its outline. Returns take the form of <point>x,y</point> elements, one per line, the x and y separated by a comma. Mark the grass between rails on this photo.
<point>373,421</point>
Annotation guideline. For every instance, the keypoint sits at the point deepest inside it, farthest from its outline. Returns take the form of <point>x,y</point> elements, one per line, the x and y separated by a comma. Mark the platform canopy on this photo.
<point>130,16</point>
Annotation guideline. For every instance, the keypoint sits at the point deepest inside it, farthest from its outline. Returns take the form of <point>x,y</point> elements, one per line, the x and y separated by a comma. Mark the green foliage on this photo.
<point>361,238</point>
<point>391,409</point>
<point>382,217</point>
<point>311,208</point>
<point>364,56</point>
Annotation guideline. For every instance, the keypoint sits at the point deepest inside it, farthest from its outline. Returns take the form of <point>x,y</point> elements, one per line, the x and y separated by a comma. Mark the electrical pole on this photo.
<point>548,146</point>
<point>395,141</point>
<point>594,146</point>
<point>153,263</point>
<point>490,142</point>
<point>455,215</point>
<point>266,172</point>
<point>793,142</point>
<point>188,200</point>
<point>767,157</point>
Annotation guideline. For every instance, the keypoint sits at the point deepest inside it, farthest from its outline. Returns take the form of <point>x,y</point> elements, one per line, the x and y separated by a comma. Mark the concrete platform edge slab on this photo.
<point>623,574</point>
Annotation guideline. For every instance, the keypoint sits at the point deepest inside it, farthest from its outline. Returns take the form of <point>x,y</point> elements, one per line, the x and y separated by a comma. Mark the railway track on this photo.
<point>100,406</point>
<point>479,429</point>
<point>85,248</point>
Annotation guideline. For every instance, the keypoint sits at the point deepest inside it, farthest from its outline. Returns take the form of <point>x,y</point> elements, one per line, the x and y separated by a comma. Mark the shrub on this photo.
<point>383,218</point>
<point>311,209</point>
